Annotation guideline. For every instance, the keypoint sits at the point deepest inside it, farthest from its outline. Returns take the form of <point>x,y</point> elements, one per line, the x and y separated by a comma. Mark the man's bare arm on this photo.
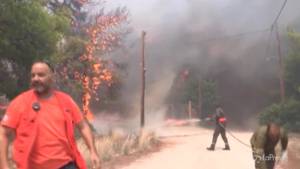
<point>87,135</point>
<point>5,133</point>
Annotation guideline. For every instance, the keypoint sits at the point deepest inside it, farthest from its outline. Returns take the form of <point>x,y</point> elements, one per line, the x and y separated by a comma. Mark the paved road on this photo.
<point>190,152</point>
<point>187,150</point>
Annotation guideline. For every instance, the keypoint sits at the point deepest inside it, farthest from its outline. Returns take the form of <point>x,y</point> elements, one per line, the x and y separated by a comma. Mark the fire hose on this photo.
<point>195,134</point>
<point>282,158</point>
<point>233,136</point>
<point>222,120</point>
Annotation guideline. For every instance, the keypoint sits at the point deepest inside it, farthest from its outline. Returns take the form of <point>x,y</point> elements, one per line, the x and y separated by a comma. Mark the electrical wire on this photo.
<point>278,15</point>
<point>252,32</point>
<point>239,35</point>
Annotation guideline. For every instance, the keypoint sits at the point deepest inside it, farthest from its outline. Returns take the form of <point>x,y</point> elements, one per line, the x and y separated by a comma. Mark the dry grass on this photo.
<point>118,143</point>
<point>146,140</point>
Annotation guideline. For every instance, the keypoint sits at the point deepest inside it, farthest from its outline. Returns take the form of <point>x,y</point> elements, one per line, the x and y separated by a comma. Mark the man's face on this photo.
<point>41,78</point>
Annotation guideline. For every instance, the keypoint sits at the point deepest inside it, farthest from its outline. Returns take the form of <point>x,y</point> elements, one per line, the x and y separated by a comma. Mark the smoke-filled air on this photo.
<point>150,84</point>
<point>227,41</point>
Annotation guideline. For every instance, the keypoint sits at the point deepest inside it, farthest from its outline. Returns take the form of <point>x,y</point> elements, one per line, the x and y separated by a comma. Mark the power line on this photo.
<point>239,35</point>
<point>281,69</point>
<point>278,15</point>
<point>273,26</point>
<point>252,32</point>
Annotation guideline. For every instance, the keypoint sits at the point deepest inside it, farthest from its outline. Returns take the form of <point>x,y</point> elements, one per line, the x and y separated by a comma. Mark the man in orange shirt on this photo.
<point>43,120</point>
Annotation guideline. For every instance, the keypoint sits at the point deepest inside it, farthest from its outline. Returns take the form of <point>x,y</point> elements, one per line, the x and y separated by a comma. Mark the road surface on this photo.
<point>186,149</point>
<point>189,152</point>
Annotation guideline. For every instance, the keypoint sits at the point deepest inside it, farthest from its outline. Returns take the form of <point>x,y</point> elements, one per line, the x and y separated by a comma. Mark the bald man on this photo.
<point>43,121</point>
<point>264,141</point>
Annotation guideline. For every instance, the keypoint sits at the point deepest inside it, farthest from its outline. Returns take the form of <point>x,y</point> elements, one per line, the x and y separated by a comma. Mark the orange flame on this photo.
<point>86,98</point>
<point>101,38</point>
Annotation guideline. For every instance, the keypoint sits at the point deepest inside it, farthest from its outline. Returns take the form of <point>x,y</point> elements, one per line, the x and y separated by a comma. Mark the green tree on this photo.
<point>209,97</point>
<point>186,87</point>
<point>292,65</point>
<point>287,113</point>
<point>28,32</point>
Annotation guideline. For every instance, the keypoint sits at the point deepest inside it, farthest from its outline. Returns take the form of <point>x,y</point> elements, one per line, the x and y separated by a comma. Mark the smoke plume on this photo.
<point>227,39</point>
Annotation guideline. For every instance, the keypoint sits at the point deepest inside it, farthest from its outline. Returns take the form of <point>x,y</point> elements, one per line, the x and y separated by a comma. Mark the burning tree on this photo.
<point>191,85</point>
<point>102,32</point>
<point>103,38</point>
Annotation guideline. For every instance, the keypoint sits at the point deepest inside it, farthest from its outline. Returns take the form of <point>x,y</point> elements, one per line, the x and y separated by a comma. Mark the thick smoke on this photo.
<point>199,33</point>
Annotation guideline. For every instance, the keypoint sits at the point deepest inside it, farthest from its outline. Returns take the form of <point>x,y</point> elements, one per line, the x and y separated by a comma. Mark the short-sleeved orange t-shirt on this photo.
<point>51,148</point>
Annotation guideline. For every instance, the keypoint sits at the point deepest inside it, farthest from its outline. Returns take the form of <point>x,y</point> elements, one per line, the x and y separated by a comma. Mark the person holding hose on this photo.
<point>220,119</point>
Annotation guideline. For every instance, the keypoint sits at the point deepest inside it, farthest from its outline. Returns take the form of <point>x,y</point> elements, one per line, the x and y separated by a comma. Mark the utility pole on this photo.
<point>281,69</point>
<point>200,99</point>
<point>190,109</point>
<point>143,81</point>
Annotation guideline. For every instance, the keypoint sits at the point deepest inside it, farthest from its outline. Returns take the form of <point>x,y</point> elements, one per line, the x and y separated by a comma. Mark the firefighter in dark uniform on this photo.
<point>220,129</point>
<point>263,143</point>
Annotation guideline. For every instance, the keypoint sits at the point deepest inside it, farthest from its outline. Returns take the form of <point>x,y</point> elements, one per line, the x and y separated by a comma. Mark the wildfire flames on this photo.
<point>86,97</point>
<point>102,39</point>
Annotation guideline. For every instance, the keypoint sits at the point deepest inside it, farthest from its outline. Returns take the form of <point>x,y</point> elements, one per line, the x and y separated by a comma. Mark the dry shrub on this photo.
<point>145,140</point>
<point>117,138</point>
<point>118,143</point>
<point>105,148</point>
<point>129,142</point>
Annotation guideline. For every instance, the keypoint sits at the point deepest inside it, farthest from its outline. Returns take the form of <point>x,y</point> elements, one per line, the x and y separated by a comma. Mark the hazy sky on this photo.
<point>177,30</point>
<point>192,21</point>
<point>177,33</point>
<point>151,14</point>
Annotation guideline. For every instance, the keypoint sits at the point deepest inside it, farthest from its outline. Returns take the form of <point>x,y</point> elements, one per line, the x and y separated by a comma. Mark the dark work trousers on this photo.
<point>219,130</point>
<point>270,158</point>
<point>270,164</point>
<point>70,165</point>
